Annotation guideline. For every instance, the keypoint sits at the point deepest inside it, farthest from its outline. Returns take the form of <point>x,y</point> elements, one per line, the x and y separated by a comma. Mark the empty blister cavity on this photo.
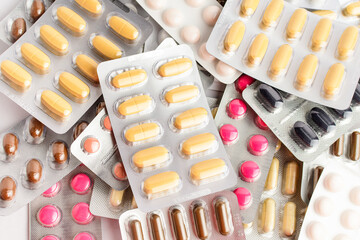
<point>104,47</point>
<point>134,106</point>
<point>151,158</point>
<point>127,78</point>
<point>199,145</point>
<point>161,184</point>
<point>72,86</point>
<point>141,133</point>
<point>189,120</point>
<point>70,20</point>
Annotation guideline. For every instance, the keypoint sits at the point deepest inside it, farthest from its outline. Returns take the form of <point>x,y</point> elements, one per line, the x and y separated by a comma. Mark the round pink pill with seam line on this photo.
<point>52,191</point>
<point>81,183</point>
<point>242,82</point>
<point>91,145</point>
<point>258,145</point>
<point>260,123</point>
<point>49,216</point>
<point>236,108</point>
<point>249,171</point>
<point>50,237</point>
<point>228,133</point>
<point>84,236</point>
<point>81,213</point>
<point>244,197</point>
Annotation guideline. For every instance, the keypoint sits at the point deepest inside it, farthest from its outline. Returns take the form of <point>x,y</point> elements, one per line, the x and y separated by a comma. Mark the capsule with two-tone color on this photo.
<point>272,14</point>
<point>280,62</point>
<point>333,80</point>
<point>296,24</point>
<point>234,37</point>
<point>257,50</point>
<point>306,72</point>
<point>248,7</point>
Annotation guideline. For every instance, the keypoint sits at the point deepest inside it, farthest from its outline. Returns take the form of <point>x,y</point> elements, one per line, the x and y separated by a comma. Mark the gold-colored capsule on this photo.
<point>71,20</point>
<point>272,13</point>
<point>272,177</point>
<point>73,87</point>
<point>234,36</point>
<point>258,49</point>
<point>37,60</point>
<point>326,13</point>
<point>290,178</point>
<point>267,216</point>
<point>87,67</point>
<point>333,80</point>
<point>289,220</point>
<point>181,94</point>
<point>321,34</point>
<point>280,61</point>
<point>296,24</point>
<point>248,7</point>
<point>135,105</point>
<point>306,72</point>
<point>352,10</point>
<point>347,42</point>
<point>92,6</point>
<point>191,118</point>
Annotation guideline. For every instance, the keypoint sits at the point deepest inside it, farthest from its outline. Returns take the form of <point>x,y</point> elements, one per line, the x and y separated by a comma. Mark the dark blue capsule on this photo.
<point>305,134</point>
<point>270,97</point>
<point>342,114</point>
<point>322,120</point>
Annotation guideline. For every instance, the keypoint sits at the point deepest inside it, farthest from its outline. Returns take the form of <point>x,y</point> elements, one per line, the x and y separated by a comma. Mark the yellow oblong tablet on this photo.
<point>289,220</point>
<point>352,10</point>
<point>135,105</point>
<point>56,106</point>
<point>37,59</point>
<point>92,6</point>
<point>142,132</point>
<point>106,48</point>
<point>198,143</point>
<point>123,28</point>
<point>234,36</point>
<point>208,169</point>
<point>182,94</point>
<point>54,40</point>
<point>129,78</point>
<point>333,80</point>
<point>116,197</point>
<point>281,60</point>
<point>267,216</point>
<point>71,20</point>
<point>73,87</point>
<point>175,67</point>
<point>347,42</point>
<point>190,118</point>
<point>306,72</point>
<point>272,13</point>
<point>326,13</point>
<point>258,49</point>
<point>87,67</point>
<point>296,24</point>
<point>321,34</point>
<point>20,79</point>
<point>151,157</point>
<point>161,182</point>
<point>248,7</point>
<point>272,177</point>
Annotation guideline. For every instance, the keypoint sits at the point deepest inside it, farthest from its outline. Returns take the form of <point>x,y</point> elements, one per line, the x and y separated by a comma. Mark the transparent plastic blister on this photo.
<point>258,45</point>
<point>307,128</point>
<point>214,216</point>
<point>65,50</point>
<point>249,147</point>
<point>316,4</point>
<point>136,135</point>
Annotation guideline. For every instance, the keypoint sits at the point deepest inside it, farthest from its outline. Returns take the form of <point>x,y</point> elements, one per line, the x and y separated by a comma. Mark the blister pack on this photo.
<point>333,211</point>
<point>62,50</point>
<point>62,212</point>
<point>348,11</point>
<point>249,143</point>
<point>214,216</point>
<point>291,49</point>
<point>190,22</point>
<point>306,128</point>
<point>167,154</point>
<point>316,4</point>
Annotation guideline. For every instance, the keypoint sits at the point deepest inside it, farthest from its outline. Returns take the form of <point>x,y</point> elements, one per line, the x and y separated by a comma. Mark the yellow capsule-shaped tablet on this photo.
<point>87,67</point>
<point>306,72</point>
<point>37,59</point>
<point>123,28</point>
<point>352,10</point>
<point>116,197</point>
<point>151,157</point>
<point>272,177</point>
<point>135,105</point>
<point>161,182</point>
<point>54,40</point>
<point>129,78</point>
<point>289,220</point>
<point>347,42</point>
<point>73,87</point>
<point>333,80</point>
<point>326,13</point>
<point>56,106</point>
<point>290,179</point>
<point>198,143</point>
<point>272,13</point>
<point>258,49</point>
<point>281,60</point>
<point>234,36</point>
<point>175,67</point>
<point>18,77</point>
<point>106,48</point>
<point>92,6</point>
<point>296,24</point>
<point>321,34</point>
<point>191,118</point>
<point>182,94</point>
<point>142,132</point>
<point>208,169</point>
<point>248,7</point>
<point>267,216</point>
<point>71,20</point>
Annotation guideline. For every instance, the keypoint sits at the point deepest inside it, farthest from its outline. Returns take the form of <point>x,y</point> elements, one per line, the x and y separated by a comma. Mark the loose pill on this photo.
<point>18,28</point>
<point>182,94</point>
<point>200,220</point>
<point>270,97</point>
<point>333,80</point>
<point>151,157</point>
<point>281,61</point>
<point>258,49</point>
<point>129,78</point>
<point>322,120</point>
<point>81,183</point>
<point>236,108</point>
<point>161,183</point>
<point>267,216</point>
<point>175,67</point>
<point>73,87</point>
<point>39,62</point>
<point>142,132</point>
<point>258,145</point>
<point>59,152</point>
<point>10,144</point>
<point>296,24</point>
<point>244,197</point>
<point>91,145</point>
<point>248,7</point>
<point>272,177</point>
<point>136,230</point>
<point>234,36</point>
<point>249,171</point>
<point>106,48</point>
<point>228,133</point>
<point>306,72</point>
<point>116,197</point>
<point>79,128</point>
<point>87,67</point>
<point>157,230</point>
<point>290,178</point>
<point>198,144</point>
<point>34,171</point>
<point>272,13</point>
<point>49,216</point>
<point>71,20</point>
<point>54,40</point>
<point>355,146</point>
<point>37,10</point>
<point>119,171</point>
<point>18,77</point>
<point>338,146</point>
<point>326,13</point>
<point>57,107</point>
<point>289,219</point>
<point>178,222</point>
<point>81,213</point>
<point>135,105</point>
<point>52,191</point>
<point>92,6</point>
<point>352,10</point>
<point>208,169</point>
<point>191,118</point>
<point>7,189</point>
<point>347,42</point>
<point>123,28</point>
<point>223,217</point>
<point>321,34</point>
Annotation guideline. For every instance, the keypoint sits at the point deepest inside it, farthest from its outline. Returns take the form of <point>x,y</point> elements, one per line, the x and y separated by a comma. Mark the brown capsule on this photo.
<point>222,217</point>
<point>36,128</point>
<point>34,171</point>
<point>338,146</point>
<point>60,152</point>
<point>79,128</point>
<point>18,28</point>
<point>10,144</point>
<point>7,189</point>
<point>37,9</point>
<point>315,179</point>
<point>100,107</point>
<point>200,222</point>
<point>156,227</point>
<point>355,146</point>
<point>136,230</point>
<point>290,178</point>
<point>179,225</point>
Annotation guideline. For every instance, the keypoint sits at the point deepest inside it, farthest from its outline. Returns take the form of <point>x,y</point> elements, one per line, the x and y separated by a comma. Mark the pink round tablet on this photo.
<point>155,4</point>
<point>81,183</point>
<point>204,54</point>
<point>324,206</point>
<point>355,195</point>
<point>49,216</point>
<point>91,145</point>
<point>50,237</point>
<point>258,145</point>
<point>242,82</point>
<point>228,133</point>
<point>260,123</point>
<point>194,3</point>
<point>236,108</point>
<point>350,219</point>
<point>84,236</point>
<point>249,171</point>
<point>173,17</point>
<point>211,14</point>
<point>244,197</point>
<point>119,171</point>
<point>81,213</point>
<point>224,70</point>
<point>190,34</point>
<point>107,123</point>
<point>52,191</point>
<point>316,231</point>
<point>333,182</point>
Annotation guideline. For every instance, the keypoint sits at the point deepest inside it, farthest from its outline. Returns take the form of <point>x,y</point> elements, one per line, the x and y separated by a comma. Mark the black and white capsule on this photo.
<point>356,97</point>
<point>342,114</point>
<point>303,132</point>
<point>322,119</point>
<point>270,97</point>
